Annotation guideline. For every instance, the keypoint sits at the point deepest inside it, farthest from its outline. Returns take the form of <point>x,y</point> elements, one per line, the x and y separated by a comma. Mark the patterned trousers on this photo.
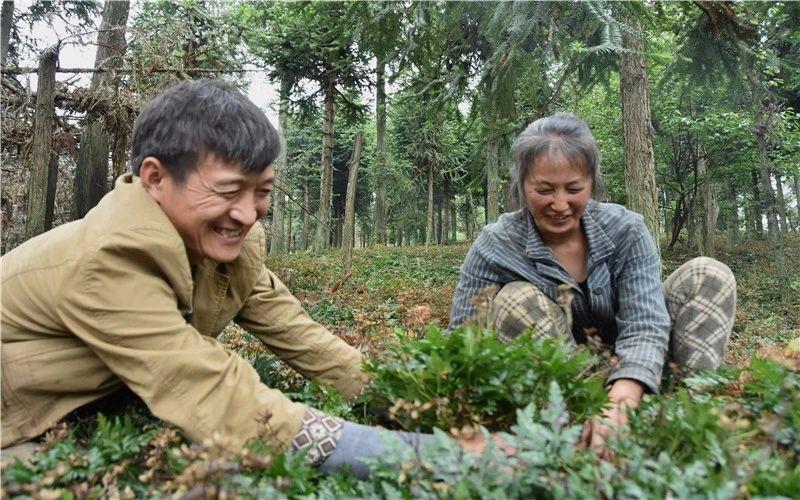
<point>700,297</point>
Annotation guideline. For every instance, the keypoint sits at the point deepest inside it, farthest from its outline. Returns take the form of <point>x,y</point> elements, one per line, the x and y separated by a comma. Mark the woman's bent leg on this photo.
<point>519,305</point>
<point>701,300</point>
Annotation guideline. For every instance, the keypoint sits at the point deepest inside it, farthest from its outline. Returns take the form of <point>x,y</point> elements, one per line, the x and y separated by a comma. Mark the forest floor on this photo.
<point>412,286</point>
<point>397,293</point>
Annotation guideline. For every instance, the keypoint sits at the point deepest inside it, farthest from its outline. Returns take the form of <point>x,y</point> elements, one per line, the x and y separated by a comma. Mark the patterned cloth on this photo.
<point>321,433</point>
<point>701,300</point>
<point>625,303</point>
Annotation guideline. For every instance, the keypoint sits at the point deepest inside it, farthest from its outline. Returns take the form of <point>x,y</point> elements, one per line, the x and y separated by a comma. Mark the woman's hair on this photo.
<point>560,134</point>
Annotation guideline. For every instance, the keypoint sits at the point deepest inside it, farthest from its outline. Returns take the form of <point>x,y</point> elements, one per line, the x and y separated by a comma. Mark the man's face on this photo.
<point>215,207</point>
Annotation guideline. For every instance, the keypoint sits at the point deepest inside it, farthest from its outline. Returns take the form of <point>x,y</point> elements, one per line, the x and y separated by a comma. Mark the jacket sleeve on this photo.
<point>477,275</point>
<point>276,317</point>
<point>642,320</point>
<point>121,304</point>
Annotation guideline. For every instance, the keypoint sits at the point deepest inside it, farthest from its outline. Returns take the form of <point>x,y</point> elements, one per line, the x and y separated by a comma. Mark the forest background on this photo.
<point>397,120</point>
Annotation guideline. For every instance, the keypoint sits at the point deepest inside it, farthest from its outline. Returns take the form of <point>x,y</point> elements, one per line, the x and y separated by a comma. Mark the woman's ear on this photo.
<point>153,176</point>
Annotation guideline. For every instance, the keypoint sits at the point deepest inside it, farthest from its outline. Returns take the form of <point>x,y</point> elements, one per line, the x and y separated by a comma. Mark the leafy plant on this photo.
<point>470,376</point>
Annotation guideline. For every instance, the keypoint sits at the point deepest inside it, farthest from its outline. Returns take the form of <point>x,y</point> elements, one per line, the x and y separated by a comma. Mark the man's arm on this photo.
<point>121,306</point>
<point>276,317</point>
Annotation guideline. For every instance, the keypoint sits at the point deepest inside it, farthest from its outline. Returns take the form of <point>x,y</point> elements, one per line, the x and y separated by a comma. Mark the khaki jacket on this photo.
<point>111,299</point>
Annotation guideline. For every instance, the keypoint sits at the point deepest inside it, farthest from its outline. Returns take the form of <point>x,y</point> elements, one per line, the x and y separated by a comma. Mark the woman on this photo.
<point>563,240</point>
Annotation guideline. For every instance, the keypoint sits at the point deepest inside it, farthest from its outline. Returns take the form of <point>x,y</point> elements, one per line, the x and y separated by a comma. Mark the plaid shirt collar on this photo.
<point>600,246</point>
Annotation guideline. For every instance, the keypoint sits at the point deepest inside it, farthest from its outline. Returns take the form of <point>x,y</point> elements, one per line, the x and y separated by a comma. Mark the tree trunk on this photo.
<point>39,186</point>
<point>453,218</point>
<point>756,208</point>
<point>783,222</point>
<point>469,220</point>
<point>380,178</point>
<point>430,237</point>
<point>710,209</point>
<point>277,242</point>
<point>445,210</point>
<point>348,232</point>
<point>640,171</point>
<point>91,172</point>
<point>733,213</point>
<point>765,173</point>
<point>492,179</point>
<point>288,230</point>
<point>6,21</point>
<point>326,181</point>
<point>797,197</point>
<point>306,219</point>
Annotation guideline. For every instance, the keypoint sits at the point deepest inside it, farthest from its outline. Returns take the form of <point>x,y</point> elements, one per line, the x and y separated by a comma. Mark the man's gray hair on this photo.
<point>561,133</point>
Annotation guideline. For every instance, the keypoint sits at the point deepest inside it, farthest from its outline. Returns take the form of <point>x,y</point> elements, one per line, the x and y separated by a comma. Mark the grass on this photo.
<point>731,433</point>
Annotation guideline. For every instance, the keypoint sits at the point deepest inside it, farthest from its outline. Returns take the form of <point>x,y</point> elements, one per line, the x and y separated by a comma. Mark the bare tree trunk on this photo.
<point>710,209</point>
<point>733,214</point>
<point>380,178</point>
<point>430,237</point>
<point>767,194</point>
<point>6,21</point>
<point>640,171</point>
<point>469,221</point>
<point>348,232</point>
<point>445,211</point>
<point>306,219</point>
<point>326,181</point>
<point>492,180</point>
<point>289,242</point>
<point>783,222</point>
<point>756,208</point>
<point>453,218</point>
<point>39,188</point>
<point>91,173</point>
<point>277,242</point>
<point>797,197</point>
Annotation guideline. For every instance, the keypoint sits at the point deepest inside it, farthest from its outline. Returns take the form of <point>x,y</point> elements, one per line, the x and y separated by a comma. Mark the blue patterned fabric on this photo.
<point>626,302</point>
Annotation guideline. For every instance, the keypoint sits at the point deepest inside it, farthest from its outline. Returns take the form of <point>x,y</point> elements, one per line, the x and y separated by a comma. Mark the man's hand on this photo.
<point>625,394</point>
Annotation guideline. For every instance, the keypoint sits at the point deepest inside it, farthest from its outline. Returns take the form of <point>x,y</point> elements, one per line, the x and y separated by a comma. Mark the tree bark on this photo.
<point>756,213</point>
<point>492,179</point>
<point>6,21</point>
<point>41,186</point>
<point>380,178</point>
<point>733,213</point>
<point>277,242</point>
<point>453,218</point>
<point>783,222</point>
<point>445,235</point>
<point>430,237</point>
<point>306,219</point>
<point>797,197</point>
<point>710,209</point>
<point>765,173</point>
<point>91,173</point>
<point>348,232</point>
<point>326,181</point>
<point>640,171</point>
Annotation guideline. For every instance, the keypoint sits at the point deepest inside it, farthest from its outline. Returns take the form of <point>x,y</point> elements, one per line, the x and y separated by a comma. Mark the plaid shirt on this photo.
<point>625,301</point>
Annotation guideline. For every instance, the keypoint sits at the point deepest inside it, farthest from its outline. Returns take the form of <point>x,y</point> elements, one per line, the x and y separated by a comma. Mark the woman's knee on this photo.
<point>520,305</point>
<point>701,275</point>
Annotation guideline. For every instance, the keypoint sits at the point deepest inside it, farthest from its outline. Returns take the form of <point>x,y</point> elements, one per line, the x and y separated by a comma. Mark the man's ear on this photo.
<point>153,176</point>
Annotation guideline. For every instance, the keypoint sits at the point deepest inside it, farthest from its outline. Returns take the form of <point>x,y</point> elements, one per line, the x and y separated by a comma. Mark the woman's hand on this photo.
<point>476,443</point>
<point>625,394</point>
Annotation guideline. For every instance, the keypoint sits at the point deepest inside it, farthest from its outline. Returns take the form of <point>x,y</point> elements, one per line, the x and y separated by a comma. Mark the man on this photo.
<point>135,293</point>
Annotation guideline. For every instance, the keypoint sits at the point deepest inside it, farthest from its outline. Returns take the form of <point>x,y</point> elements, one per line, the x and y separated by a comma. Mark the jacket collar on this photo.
<point>600,246</point>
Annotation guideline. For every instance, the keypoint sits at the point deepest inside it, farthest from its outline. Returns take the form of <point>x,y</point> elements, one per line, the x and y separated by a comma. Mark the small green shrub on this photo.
<point>472,377</point>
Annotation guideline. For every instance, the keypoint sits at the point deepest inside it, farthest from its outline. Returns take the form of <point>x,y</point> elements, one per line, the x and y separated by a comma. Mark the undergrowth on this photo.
<point>725,434</point>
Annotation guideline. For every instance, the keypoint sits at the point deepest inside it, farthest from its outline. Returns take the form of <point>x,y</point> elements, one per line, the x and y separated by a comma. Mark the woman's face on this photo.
<point>556,192</point>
